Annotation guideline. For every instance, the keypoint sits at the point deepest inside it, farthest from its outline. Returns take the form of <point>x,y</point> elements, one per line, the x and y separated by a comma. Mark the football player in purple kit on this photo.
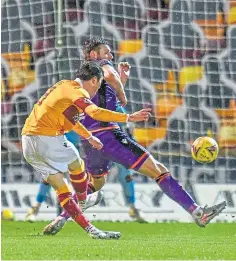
<point>120,148</point>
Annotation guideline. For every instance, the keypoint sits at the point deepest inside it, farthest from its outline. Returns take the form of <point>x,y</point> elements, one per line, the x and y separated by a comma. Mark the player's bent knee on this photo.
<point>162,167</point>
<point>56,180</point>
<point>77,166</point>
<point>152,168</point>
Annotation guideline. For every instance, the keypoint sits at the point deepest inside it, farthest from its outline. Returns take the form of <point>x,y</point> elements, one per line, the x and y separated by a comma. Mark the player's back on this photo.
<point>51,115</point>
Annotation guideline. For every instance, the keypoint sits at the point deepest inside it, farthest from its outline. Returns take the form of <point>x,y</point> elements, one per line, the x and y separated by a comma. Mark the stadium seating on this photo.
<point>217,94</point>
<point>46,75</point>
<point>155,12</point>
<point>159,72</point>
<point>37,13</point>
<point>176,55</point>
<point>200,120</point>
<point>13,42</point>
<point>166,104</point>
<point>227,134</point>
<point>129,46</point>
<point>188,122</point>
<point>125,15</point>
<point>146,136</point>
<point>20,71</point>
<point>232,3</point>
<point>39,16</point>
<point>228,56</point>
<point>94,25</point>
<point>141,93</point>
<point>220,95</point>
<point>174,141</point>
<point>210,16</point>
<point>181,37</point>
<point>5,72</point>
<point>68,57</point>
<point>189,74</point>
<point>155,68</point>
<point>232,15</point>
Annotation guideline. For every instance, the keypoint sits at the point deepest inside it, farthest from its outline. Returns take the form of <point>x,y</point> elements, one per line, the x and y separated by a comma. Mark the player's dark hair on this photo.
<point>93,44</point>
<point>88,70</point>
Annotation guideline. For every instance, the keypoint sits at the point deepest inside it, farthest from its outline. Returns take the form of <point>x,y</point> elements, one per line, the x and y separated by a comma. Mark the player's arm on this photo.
<point>113,79</point>
<point>71,115</point>
<point>100,114</point>
<point>83,132</point>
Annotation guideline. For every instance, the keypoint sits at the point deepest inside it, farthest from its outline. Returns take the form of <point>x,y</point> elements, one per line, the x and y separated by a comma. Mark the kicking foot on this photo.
<point>206,214</point>
<point>99,234</point>
<point>135,214</point>
<point>31,215</point>
<point>92,200</point>
<point>55,226</point>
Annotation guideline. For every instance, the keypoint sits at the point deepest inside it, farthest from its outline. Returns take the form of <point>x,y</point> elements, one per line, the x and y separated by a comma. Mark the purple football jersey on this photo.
<point>104,98</point>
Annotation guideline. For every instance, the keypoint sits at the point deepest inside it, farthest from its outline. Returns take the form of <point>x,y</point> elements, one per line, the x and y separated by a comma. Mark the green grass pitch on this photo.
<point>23,241</point>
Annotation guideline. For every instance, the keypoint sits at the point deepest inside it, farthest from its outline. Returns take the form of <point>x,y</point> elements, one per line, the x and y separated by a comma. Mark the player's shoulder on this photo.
<point>66,83</point>
<point>79,90</point>
<point>84,93</point>
<point>74,88</point>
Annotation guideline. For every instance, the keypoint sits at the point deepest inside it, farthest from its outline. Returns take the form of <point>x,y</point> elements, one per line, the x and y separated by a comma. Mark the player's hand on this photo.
<point>124,71</point>
<point>95,142</point>
<point>142,115</point>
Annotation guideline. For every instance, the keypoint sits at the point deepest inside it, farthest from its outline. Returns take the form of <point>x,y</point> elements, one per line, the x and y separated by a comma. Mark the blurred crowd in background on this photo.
<point>183,59</point>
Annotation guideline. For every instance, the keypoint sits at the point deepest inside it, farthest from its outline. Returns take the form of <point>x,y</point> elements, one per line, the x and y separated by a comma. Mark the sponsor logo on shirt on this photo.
<point>76,118</point>
<point>81,116</point>
<point>86,100</point>
<point>124,141</point>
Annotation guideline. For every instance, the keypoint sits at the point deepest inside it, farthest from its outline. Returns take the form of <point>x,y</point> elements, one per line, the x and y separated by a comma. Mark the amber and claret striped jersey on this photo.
<point>60,109</point>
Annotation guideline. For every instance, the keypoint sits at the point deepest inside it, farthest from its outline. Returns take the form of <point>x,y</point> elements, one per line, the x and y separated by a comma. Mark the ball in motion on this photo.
<point>7,214</point>
<point>204,150</point>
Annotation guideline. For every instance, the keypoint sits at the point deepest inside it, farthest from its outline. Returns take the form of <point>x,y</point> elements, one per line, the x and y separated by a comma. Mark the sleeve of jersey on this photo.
<point>82,131</point>
<point>98,113</point>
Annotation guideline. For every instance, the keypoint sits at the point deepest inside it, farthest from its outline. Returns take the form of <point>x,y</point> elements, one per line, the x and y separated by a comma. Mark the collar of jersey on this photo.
<point>79,82</point>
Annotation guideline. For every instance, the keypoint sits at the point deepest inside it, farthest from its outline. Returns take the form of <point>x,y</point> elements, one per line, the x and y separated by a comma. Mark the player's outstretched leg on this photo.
<point>118,147</point>
<point>127,182</point>
<point>174,190</point>
<point>44,189</point>
<point>56,225</point>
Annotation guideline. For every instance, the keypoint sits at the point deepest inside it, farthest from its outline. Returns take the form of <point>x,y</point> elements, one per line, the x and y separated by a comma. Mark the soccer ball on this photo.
<point>204,150</point>
<point>7,214</point>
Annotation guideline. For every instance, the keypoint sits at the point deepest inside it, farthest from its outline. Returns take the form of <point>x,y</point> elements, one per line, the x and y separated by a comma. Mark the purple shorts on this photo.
<point>117,147</point>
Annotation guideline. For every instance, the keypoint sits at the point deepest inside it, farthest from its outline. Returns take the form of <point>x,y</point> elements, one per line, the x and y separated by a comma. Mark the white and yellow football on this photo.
<point>204,150</point>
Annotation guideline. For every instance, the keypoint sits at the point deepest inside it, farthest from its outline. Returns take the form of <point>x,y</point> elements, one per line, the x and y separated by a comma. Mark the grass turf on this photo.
<point>23,241</point>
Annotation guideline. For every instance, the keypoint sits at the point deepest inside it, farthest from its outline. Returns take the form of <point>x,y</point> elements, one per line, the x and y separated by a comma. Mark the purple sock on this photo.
<point>174,190</point>
<point>90,190</point>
